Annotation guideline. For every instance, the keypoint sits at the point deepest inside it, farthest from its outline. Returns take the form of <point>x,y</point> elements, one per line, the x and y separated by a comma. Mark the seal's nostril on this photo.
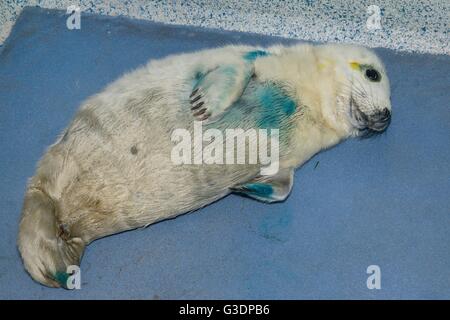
<point>380,120</point>
<point>384,116</point>
<point>387,113</point>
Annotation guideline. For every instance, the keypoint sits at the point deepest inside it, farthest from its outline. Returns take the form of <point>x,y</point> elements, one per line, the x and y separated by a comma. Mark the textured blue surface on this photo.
<point>383,201</point>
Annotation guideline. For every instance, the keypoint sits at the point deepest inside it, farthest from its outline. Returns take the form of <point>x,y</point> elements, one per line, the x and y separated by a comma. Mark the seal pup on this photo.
<point>111,169</point>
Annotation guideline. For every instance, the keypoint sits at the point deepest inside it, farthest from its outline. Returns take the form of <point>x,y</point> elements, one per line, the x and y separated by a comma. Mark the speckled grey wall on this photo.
<point>406,25</point>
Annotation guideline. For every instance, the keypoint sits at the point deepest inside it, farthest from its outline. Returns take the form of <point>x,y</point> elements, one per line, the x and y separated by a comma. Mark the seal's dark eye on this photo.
<point>373,75</point>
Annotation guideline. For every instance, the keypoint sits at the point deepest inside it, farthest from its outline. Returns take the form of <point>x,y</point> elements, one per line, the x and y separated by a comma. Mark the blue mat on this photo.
<point>380,202</point>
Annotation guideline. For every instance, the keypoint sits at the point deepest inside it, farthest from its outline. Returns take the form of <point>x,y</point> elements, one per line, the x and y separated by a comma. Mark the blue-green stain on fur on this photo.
<point>253,55</point>
<point>263,105</point>
<point>275,105</point>
<point>262,190</point>
<point>61,278</point>
<point>198,75</point>
<point>228,70</point>
<point>273,97</point>
<point>198,78</point>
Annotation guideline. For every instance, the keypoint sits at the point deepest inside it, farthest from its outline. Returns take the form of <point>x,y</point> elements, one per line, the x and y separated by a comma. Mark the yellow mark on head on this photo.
<point>324,63</point>
<point>355,65</point>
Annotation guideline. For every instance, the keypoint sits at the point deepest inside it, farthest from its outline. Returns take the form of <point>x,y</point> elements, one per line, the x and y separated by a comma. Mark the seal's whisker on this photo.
<point>361,89</point>
<point>348,90</point>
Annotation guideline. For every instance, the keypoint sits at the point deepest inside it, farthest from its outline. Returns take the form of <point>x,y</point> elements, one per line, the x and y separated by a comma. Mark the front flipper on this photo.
<point>216,90</point>
<point>272,188</point>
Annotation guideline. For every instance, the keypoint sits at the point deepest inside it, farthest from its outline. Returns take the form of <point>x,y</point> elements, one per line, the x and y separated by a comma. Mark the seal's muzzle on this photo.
<point>380,120</point>
<point>369,124</point>
<point>376,123</point>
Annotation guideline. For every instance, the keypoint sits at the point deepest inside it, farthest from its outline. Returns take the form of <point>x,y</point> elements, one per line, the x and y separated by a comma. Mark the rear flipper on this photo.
<point>274,188</point>
<point>44,244</point>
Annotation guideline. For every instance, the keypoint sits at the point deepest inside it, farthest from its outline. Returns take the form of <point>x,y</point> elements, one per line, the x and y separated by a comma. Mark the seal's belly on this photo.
<point>121,175</point>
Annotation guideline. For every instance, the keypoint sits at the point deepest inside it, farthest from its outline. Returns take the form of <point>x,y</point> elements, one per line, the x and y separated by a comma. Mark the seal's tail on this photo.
<point>45,247</point>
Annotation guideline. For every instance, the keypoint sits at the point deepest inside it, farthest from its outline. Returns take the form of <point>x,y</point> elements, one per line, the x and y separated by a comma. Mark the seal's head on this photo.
<point>362,90</point>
